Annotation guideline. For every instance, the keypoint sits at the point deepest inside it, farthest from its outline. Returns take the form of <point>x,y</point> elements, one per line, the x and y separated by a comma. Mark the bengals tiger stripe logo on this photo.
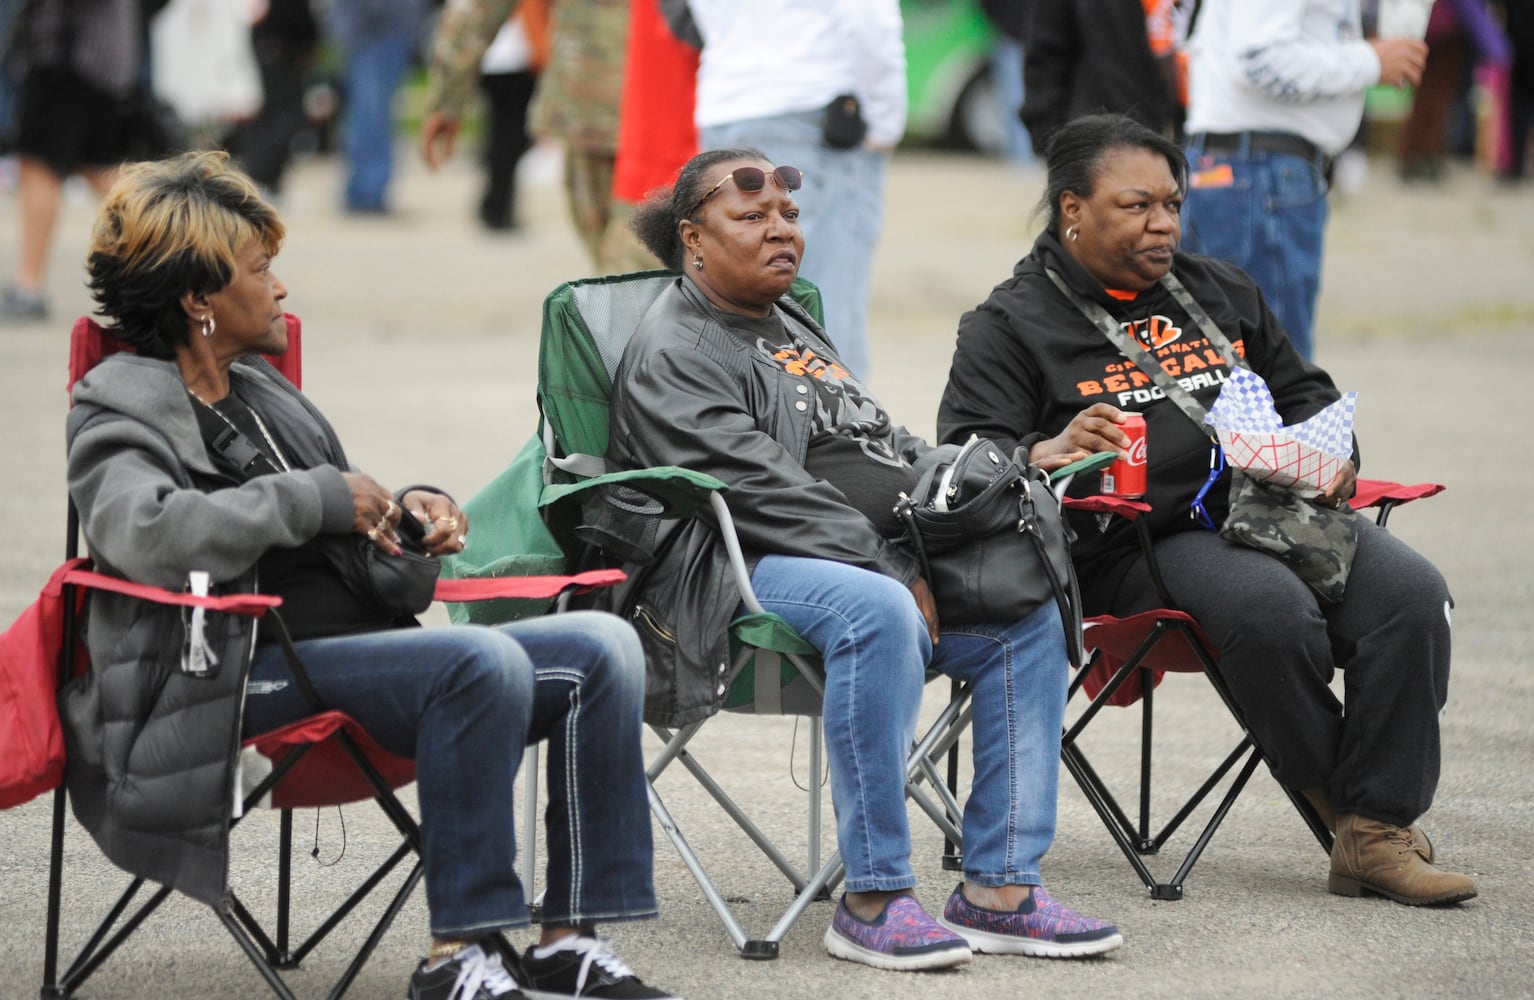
<point>1154,333</point>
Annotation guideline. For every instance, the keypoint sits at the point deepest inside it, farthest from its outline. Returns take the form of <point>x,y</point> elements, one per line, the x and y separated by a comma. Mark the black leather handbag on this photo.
<point>397,587</point>
<point>991,539</point>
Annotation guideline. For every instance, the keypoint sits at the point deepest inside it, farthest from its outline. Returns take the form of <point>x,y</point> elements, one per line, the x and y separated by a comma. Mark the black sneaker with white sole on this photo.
<point>582,966</point>
<point>471,974</point>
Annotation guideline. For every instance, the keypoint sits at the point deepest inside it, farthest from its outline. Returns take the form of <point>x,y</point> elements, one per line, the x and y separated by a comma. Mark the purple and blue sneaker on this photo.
<point>903,937</point>
<point>1041,926</point>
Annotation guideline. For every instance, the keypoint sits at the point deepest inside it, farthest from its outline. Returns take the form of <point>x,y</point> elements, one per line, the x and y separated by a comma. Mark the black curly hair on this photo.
<point>656,220</point>
<point>169,227</point>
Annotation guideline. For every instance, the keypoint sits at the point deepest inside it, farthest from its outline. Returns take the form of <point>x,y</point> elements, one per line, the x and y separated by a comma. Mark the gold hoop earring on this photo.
<point>208,326</point>
<point>1073,233</point>
<point>697,263</point>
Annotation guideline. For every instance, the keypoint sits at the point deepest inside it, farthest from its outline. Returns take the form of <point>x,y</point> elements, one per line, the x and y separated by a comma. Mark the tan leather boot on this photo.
<point>1323,807</point>
<point>1370,857</point>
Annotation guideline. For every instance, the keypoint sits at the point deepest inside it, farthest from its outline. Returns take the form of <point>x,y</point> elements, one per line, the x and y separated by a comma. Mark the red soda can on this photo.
<point>1125,477</point>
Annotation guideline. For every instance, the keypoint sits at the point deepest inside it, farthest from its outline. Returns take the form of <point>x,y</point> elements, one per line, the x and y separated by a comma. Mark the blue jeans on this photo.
<point>841,210</point>
<point>1270,222</point>
<point>374,67</point>
<point>1007,71</point>
<point>463,702</point>
<point>876,650</point>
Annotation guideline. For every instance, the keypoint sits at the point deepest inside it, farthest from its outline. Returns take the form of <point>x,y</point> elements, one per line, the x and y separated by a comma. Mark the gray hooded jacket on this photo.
<point>152,749</point>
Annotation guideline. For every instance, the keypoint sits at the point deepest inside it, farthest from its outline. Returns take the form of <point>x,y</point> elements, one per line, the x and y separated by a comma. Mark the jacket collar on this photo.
<point>152,392</point>
<point>695,298</point>
<point>1049,253</point>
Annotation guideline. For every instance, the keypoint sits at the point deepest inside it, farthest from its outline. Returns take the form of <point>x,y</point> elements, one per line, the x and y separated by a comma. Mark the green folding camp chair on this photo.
<point>773,671</point>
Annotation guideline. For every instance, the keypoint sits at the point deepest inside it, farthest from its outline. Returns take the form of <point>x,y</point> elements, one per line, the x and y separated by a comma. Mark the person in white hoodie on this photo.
<point>1276,91</point>
<point>781,84</point>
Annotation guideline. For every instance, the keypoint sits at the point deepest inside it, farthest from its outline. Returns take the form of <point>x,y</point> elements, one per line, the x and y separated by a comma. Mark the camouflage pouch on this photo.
<point>1316,542</point>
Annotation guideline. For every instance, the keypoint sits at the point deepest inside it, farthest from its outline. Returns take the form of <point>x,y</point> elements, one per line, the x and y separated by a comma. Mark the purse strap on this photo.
<point>1143,359</point>
<point>242,458</point>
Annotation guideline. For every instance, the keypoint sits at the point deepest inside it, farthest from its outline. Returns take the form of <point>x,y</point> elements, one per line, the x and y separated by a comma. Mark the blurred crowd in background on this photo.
<point>88,83</point>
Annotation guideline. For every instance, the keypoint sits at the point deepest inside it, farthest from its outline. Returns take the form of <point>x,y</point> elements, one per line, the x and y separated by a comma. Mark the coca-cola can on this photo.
<point>1125,477</point>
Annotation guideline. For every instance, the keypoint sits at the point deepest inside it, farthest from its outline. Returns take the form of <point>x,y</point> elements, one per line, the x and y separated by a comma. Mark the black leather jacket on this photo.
<point>689,392</point>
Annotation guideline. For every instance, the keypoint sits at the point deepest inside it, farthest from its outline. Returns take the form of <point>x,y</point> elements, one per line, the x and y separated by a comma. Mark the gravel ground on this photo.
<point>421,346</point>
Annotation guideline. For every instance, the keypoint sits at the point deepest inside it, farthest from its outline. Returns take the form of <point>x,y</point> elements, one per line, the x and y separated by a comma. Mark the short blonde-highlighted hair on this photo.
<point>169,227</point>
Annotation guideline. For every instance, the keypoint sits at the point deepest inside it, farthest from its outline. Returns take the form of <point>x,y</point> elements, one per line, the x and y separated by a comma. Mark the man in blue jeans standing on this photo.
<point>1276,90</point>
<point>377,37</point>
<point>817,54</point>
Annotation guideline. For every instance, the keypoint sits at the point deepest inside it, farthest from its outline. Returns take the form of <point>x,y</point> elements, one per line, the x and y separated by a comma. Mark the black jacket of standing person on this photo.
<point>1082,57</point>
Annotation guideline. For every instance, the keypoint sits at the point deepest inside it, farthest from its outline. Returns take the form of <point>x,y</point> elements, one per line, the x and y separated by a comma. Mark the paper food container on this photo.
<point>1280,459</point>
<point>1305,456</point>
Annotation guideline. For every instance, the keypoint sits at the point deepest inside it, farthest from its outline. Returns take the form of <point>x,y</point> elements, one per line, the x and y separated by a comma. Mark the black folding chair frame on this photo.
<point>270,953</point>
<point>1134,836</point>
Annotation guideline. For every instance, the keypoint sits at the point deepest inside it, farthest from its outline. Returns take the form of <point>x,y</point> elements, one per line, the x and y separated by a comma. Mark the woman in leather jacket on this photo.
<point>728,377</point>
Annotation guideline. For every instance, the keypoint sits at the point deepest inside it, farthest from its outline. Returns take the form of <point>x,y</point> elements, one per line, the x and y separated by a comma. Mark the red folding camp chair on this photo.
<point>324,760</point>
<point>1128,657</point>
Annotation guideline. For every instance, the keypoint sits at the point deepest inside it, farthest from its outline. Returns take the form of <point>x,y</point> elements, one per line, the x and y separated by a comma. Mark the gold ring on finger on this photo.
<point>373,534</point>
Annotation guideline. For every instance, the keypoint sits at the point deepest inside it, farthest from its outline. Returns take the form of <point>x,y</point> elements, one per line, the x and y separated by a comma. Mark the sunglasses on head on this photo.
<point>752,180</point>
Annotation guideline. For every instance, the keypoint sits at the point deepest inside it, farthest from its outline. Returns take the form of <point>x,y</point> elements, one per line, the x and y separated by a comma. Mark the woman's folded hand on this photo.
<point>445,523</point>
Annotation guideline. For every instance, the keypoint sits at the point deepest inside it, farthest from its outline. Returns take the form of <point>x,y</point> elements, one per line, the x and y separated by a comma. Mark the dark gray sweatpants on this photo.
<point>1279,647</point>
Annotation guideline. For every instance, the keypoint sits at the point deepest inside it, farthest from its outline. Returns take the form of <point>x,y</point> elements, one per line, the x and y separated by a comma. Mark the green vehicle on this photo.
<point>953,100</point>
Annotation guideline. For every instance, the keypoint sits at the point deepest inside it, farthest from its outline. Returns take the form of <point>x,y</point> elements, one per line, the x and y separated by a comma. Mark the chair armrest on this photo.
<point>683,492</point>
<point>257,605</point>
<point>1129,510</point>
<point>1385,496</point>
<point>525,587</point>
<point>1375,492</point>
<point>251,605</point>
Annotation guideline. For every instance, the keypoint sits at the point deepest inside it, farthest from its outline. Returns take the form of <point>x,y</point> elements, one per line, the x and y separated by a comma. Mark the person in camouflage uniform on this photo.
<point>576,104</point>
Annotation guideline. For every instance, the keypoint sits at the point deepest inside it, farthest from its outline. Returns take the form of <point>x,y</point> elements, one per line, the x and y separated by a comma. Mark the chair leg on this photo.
<point>379,929</point>
<point>1135,838</point>
<point>253,952</point>
<point>817,890</point>
<point>529,846</point>
<point>1312,818</point>
<point>284,884</point>
<point>1173,889</point>
<point>676,751</point>
<point>1301,804</point>
<point>689,858</point>
<point>817,754</point>
<point>55,890</point>
<point>807,890</point>
<point>939,739</point>
<point>953,856</point>
<point>99,948</point>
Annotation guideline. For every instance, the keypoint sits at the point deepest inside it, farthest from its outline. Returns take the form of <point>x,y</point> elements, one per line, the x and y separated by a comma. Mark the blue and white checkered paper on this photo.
<point>1305,456</point>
